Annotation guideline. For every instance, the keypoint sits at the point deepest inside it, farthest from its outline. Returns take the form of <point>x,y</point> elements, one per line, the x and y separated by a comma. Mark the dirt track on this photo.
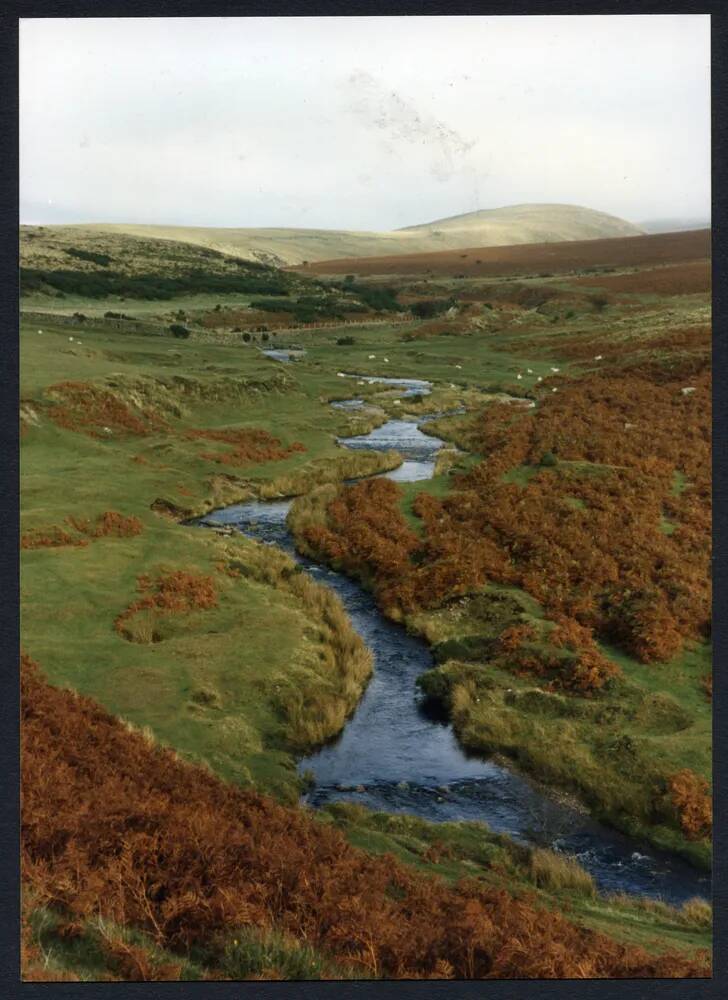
<point>531,258</point>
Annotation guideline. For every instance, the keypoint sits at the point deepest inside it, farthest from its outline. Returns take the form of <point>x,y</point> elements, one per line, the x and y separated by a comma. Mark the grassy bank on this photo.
<point>274,667</point>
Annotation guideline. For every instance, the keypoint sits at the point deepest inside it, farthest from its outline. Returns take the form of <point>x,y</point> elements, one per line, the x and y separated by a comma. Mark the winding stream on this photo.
<point>395,757</point>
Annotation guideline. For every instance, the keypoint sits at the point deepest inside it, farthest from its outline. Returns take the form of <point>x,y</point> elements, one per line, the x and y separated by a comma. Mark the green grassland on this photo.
<point>241,686</point>
<point>211,687</point>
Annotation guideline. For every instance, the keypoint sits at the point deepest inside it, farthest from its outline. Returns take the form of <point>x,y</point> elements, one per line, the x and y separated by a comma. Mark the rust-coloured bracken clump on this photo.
<point>691,798</point>
<point>248,444</point>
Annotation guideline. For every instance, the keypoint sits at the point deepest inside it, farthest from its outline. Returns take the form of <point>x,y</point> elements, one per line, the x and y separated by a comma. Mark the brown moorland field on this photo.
<point>689,278</point>
<point>552,258</point>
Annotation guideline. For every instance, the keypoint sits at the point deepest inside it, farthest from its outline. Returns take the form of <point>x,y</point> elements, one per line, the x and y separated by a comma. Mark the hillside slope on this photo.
<point>492,227</point>
<point>651,250</point>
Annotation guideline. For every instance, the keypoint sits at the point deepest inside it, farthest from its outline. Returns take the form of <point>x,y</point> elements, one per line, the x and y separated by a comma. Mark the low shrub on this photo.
<point>104,284</point>
<point>248,444</point>
<point>110,523</point>
<point>428,308</point>
<point>691,800</point>
<point>49,538</point>
<point>96,411</point>
<point>173,593</point>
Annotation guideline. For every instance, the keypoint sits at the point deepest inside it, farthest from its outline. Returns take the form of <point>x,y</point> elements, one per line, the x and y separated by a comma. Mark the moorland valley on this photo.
<point>366,601</point>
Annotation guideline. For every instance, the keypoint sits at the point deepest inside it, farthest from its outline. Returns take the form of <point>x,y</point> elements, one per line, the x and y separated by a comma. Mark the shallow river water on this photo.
<point>394,756</point>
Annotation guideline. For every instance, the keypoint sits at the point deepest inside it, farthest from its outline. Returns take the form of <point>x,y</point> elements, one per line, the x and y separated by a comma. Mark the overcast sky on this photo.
<point>361,122</point>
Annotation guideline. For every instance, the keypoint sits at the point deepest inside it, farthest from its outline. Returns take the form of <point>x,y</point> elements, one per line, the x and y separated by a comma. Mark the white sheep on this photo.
<point>554,389</point>
<point>372,357</point>
<point>597,357</point>
<point>529,371</point>
<point>554,369</point>
<point>387,360</point>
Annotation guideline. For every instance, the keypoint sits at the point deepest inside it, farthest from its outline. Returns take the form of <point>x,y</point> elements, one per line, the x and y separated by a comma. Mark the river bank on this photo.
<point>393,757</point>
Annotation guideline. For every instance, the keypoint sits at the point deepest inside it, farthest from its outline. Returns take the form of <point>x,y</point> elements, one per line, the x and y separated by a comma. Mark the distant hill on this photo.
<point>673,225</point>
<point>513,224</point>
<point>524,224</point>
